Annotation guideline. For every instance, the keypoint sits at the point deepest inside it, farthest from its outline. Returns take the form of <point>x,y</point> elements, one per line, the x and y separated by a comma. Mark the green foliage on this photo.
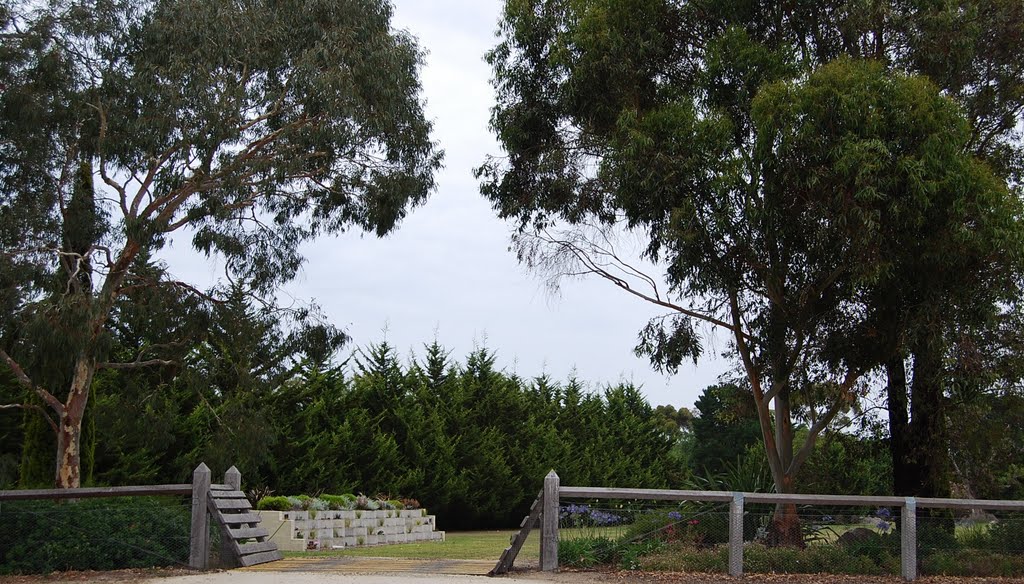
<point>586,552</point>
<point>1007,534</point>
<point>449,434</point>
<point>274,504</point>
<point>676,558</point>
<point>346,501</point>
<point>42,537</point>
<point>630,553</point>
<point>648,525</point>
<point>813,177</point>
<point>814,559</point>
<point>851,464</point>
<point>278,124</point>
<point>973,562</point>
<point>724,427</point>
<point>882,549</point>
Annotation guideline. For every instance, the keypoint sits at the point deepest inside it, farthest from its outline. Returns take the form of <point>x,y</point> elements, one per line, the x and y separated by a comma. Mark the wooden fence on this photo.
<point>553,492</point>
<point>200,489</point>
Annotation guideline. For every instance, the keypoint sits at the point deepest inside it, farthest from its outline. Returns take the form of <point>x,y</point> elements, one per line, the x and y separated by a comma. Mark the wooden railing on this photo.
<point>553,492</point>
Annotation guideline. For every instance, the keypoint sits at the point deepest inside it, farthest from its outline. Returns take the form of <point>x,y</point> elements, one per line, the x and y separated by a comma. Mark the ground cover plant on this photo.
<point>324,502</point>
<point>104,534</point>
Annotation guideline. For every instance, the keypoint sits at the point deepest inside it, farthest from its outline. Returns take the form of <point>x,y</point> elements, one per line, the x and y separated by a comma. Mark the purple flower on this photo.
<point>675,515</point>
<point>883,512</point>
<point>573,509</point>
<point>883,525</point>
<point>604,518</point>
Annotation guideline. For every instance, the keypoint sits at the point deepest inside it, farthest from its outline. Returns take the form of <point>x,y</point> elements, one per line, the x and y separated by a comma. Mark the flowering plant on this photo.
<point>885,523</point>
<point>575,515</point>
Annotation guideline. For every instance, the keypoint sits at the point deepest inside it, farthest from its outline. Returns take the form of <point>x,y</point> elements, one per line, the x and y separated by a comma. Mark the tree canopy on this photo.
<point>766,154</point>
<point>248,127</point>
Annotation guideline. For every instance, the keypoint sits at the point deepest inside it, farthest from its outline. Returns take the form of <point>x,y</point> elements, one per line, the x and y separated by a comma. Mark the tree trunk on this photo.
<point>785,529</point>
<point>928,443</point>
<point>899,426</point>
<point>917,435</point>
<point>69,457</point>
<point>69,432</point>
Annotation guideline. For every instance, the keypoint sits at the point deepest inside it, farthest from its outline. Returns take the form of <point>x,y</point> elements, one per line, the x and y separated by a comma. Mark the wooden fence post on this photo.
<point>736,535</point>
<point>549,524</point>
<point>908,539</point>
<point>199,548</point>
<point>233,479</point>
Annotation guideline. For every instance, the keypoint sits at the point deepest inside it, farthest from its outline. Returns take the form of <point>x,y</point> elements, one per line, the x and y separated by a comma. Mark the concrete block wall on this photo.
<point>326,530</point>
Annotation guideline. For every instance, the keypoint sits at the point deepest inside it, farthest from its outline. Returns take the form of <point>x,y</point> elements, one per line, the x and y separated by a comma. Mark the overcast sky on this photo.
<point>447,271</point>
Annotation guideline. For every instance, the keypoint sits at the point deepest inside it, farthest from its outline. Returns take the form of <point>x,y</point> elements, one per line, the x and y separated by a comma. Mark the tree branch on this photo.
<point>763,415</point>
<point>590,265</point>
<point>136,364</point>
<point>26,382</point>
<point>42,412</point>
<point>824,421</point>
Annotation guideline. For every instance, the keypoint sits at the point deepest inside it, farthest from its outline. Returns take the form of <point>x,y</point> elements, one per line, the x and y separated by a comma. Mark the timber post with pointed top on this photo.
<point>549,524</point>
<point>199,550</point>
<point>233,479</point>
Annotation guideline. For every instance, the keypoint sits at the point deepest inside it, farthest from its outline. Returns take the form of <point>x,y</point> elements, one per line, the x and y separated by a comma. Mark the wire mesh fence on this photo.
<point>39,536</point>
<point>977,545</point>
<point>694,537</point>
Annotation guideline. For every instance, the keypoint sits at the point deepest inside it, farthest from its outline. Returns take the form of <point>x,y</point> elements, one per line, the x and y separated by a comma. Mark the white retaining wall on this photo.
<point>325,530</point>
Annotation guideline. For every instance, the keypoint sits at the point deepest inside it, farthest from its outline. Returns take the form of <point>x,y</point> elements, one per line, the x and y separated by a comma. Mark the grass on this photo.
<point>465,545</point>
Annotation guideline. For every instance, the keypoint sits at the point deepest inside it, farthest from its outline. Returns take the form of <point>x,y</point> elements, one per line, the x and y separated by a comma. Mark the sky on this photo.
<point>447,271</point>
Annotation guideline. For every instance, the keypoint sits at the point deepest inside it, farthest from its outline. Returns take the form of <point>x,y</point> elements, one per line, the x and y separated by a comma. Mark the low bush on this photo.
<point>972,562</point>
<point>1007,535</point>
<point>274,504</point>
<point>680,558</point>
<point>98,534</point>
<point>587,552</point>
<point>650,524</point>
<point>630,554</point>
<point>338,502</point>
<point>759,559</point>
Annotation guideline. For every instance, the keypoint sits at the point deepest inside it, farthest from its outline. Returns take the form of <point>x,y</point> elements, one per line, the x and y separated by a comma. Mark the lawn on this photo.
<point>464,545</point>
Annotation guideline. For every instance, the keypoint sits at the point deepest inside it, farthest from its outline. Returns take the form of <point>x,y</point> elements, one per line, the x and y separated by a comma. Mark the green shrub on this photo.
<point>1007,535</point>
<point>647,525</point>
<point>630,554</point>
<point>338,502</point>
<point>814,559</point>
<point>274,504</point>
<point>969,562</point>
<point>936,534</point>
<point>976,536</point>
<point>586,552</point>
<point>681,558</point>
<point>98,534</point>
<point>879,548</point>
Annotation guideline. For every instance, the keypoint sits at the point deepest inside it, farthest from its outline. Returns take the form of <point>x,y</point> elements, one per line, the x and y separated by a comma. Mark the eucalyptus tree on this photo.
<point>250,127</point>
<point>760,167</point>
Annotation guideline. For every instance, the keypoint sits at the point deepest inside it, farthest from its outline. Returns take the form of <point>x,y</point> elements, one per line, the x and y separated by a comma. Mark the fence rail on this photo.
<point>553,492</point>
<point>94,492</point>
